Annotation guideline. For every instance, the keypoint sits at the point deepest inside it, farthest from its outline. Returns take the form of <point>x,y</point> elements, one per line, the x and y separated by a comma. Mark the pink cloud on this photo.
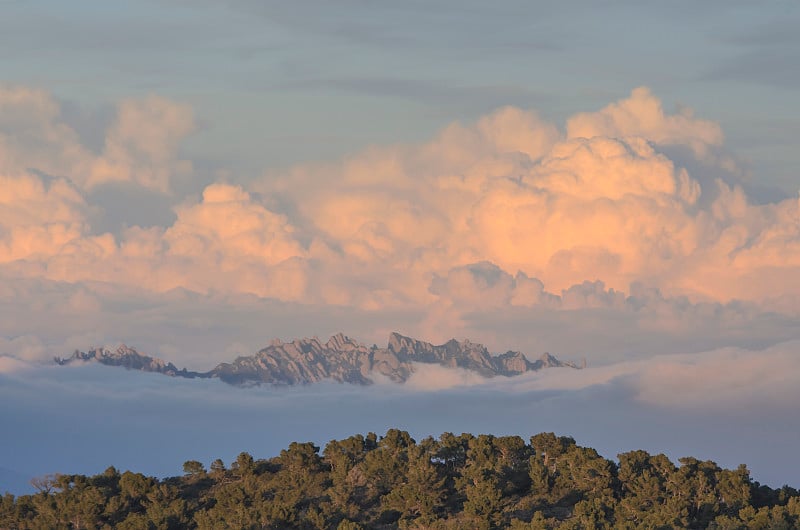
<point>641,115</point>
<point>140,147</point>
<point>548,214</point>
<point>142,144</point>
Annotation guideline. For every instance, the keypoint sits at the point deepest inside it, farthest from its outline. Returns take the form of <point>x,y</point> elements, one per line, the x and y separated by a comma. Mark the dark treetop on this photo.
<point>393,482</point>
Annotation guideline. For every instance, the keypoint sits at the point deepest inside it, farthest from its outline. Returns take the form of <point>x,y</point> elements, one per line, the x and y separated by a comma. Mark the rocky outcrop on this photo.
<point>341,359</point>
<point>469,355</point>
<point>309,361</point>
<point>127,358</point>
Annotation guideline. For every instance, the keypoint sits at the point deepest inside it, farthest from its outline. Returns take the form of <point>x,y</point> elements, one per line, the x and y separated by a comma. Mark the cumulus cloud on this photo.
<point>602,201</point>
<point>33,134</point>
<point>38,217</point>
<point>505,218</point>
<point>591,320</point>
<point>226,241</point>
<point>141,145</point>
<point>229,224</point>
<point>641,115</point>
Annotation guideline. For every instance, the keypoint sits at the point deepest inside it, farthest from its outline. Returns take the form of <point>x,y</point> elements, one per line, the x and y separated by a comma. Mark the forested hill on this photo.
<point>454,482</point>
<point>341,359</point>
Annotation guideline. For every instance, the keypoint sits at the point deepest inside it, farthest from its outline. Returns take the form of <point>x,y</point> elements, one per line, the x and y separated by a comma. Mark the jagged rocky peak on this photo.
<point>464,354</point>
<point>127,358</point>
<point>548,360</point>
<point>122,351</point>
<point>513,362</point>
<point>104,353</point>
<point>341,359</point>
<point>342,342</point>
<point>399,344</point>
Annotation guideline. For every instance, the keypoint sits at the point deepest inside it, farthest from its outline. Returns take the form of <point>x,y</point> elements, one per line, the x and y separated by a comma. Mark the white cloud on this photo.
<point>721,380</point>
<point>724,379</point>
<point>10,365</point>
<point>432,377</point>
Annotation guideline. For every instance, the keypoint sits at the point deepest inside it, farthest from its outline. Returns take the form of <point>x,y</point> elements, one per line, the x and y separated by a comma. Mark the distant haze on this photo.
<point>730,406</point>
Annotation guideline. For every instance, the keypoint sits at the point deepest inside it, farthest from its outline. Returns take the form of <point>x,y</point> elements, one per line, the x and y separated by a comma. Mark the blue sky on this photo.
<point>275,83</point>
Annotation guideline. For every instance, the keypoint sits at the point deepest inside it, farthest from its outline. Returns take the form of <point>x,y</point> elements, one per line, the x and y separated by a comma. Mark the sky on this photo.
<point>614,181</point>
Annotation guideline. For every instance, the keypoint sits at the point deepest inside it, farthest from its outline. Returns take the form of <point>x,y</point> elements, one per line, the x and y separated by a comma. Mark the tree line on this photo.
<point>393,482</point>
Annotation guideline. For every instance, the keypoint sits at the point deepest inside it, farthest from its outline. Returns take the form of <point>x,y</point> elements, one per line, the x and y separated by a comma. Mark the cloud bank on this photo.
<point>507,217</point>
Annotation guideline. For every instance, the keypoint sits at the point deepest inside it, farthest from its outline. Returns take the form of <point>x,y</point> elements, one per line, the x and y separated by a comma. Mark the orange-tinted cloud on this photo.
<point>38,218</point>
<point>140,146</point>
<point>33,135</point>
<point>505,212</point>
<point>641,115</point>
<point>602,201</point>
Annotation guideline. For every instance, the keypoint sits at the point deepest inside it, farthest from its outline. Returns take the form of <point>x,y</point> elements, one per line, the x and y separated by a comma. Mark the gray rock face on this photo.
<point>309,361</point>
<point>127,358</point>
<point>469,355</point>
<point>340,359</point>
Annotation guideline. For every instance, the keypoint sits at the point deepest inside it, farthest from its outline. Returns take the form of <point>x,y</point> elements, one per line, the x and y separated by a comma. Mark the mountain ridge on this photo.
<point>341,359</point>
